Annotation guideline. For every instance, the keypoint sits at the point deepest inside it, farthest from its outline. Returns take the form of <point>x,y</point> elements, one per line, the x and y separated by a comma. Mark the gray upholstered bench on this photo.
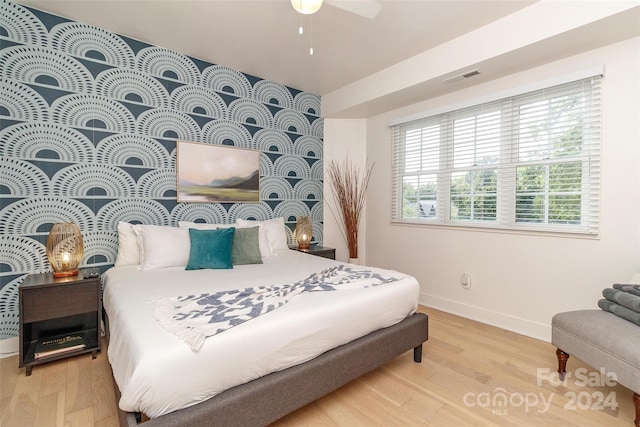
<point>601,340</point>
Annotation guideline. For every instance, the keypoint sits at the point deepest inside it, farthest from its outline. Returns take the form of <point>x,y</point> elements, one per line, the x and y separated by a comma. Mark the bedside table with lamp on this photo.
<point>60,311</point>
<point>302,235</point>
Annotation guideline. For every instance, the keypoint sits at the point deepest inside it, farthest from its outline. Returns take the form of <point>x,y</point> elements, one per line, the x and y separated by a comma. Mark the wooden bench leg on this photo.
<point>562,363</point>
<point>636,403</point>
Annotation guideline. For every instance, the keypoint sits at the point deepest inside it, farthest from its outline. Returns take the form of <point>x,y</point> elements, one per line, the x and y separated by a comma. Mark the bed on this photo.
<point>244,375</point>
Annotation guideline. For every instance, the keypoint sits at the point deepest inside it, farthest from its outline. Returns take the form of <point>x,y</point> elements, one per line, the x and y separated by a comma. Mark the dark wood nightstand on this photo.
<point>322,251</point>
<point>59,317</point>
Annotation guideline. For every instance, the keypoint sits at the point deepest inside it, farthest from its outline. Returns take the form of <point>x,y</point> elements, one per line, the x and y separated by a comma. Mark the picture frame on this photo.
<point>209,173</point>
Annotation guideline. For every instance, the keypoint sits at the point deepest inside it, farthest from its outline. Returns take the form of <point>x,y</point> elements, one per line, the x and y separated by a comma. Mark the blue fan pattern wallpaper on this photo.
<point>88,126</point>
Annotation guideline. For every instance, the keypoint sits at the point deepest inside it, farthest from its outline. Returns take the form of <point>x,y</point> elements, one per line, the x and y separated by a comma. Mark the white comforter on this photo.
<point>157,373</point>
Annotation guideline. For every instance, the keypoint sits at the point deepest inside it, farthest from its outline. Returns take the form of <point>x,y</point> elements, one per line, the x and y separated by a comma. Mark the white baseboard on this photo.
<point>8,347</point>
<point>504,321</point>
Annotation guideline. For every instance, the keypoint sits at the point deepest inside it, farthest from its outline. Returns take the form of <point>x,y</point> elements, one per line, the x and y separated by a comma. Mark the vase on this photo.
<point>355,261</point>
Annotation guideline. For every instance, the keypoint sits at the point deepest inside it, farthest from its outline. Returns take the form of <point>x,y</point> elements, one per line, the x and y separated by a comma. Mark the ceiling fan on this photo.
<point>366,8</point>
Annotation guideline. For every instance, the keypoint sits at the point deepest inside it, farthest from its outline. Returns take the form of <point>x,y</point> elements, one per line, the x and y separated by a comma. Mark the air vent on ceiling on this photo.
<point>462,76</point>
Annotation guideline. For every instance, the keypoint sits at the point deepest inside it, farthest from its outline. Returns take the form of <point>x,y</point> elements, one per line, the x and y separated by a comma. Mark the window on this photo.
<point>525,162</point>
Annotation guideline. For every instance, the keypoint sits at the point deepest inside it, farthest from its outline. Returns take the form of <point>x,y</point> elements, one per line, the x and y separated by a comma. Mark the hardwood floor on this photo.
<point>76,391</point>
<point>466,367</point>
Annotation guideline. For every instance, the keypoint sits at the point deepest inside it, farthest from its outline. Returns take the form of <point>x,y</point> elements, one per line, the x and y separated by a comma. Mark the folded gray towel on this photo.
<point>620,311</point>
<point>630,301</point>
<point>628,288</point>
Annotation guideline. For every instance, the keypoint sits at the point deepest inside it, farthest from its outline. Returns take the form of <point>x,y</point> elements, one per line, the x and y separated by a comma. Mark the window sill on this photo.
<point>496,229</point>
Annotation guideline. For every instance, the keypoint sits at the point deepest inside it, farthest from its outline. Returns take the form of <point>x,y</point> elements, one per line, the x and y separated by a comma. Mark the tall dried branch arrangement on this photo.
<point>349,186</point>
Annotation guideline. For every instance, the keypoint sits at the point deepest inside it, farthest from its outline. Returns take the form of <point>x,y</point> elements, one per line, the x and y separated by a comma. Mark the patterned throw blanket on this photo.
<point>193,318</point>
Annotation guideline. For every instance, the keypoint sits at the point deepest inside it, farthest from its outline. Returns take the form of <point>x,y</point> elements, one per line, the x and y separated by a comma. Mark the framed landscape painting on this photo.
<point>210,173</point>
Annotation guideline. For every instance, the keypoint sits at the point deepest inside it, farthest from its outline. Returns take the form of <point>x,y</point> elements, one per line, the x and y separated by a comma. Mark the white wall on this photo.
<point>536,34</point>
<point>342,138</point>
<point>518,281</point>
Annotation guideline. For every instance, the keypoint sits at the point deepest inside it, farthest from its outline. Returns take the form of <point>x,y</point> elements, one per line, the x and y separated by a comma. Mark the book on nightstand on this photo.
<point>59,344</point>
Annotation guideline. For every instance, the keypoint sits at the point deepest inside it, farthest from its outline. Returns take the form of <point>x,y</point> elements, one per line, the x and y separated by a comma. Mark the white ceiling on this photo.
<point>261,37</point>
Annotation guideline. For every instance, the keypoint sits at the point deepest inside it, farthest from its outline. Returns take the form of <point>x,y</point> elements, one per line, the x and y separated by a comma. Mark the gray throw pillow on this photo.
<point>246,249</point>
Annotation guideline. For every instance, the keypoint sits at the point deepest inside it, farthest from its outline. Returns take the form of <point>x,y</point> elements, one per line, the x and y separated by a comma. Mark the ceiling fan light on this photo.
<point>306,7</point>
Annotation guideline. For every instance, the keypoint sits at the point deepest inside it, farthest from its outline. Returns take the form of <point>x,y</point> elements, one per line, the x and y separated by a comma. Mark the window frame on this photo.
<point>509,162</point>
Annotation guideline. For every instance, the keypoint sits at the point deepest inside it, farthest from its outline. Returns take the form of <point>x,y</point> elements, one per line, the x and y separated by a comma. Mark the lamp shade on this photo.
<point>304,232</point>
<point>306,7</point>
<point>64,249</point>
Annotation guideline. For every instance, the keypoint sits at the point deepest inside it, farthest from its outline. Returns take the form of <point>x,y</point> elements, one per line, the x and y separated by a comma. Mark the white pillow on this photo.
<point>263,240</point>
<point>128,250</point>
<point>163,246</point>
<point>276,234</point>
<point>201,225</point>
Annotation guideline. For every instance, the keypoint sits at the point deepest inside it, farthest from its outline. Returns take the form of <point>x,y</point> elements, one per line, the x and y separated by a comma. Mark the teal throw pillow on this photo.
<point>246,249</point>
<point>210,248</point>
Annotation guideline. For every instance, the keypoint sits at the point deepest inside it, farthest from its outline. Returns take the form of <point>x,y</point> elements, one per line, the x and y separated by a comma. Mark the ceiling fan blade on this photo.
<point>367,8</point>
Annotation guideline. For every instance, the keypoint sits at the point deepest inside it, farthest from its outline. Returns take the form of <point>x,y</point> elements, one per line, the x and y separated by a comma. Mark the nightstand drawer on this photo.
<point>59,301</point>
<point>328,253</point>
<point>321,251</point>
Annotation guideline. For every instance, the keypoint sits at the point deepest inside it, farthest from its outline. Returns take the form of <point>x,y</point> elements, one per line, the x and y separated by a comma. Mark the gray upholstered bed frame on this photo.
<point>266,399</point>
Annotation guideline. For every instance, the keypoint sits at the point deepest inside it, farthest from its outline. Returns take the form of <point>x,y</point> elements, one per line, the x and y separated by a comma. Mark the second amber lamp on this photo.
<point>304,232</point>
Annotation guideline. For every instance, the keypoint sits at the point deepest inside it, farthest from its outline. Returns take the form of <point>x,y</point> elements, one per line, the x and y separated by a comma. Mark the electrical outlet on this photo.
<point>465,281</point>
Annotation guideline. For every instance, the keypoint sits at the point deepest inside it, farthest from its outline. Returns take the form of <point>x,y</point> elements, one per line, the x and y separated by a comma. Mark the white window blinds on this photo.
<point>526,162</point>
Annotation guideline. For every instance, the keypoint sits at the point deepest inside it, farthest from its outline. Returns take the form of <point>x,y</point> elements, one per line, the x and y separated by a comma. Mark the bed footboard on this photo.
<point>264,400</point>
